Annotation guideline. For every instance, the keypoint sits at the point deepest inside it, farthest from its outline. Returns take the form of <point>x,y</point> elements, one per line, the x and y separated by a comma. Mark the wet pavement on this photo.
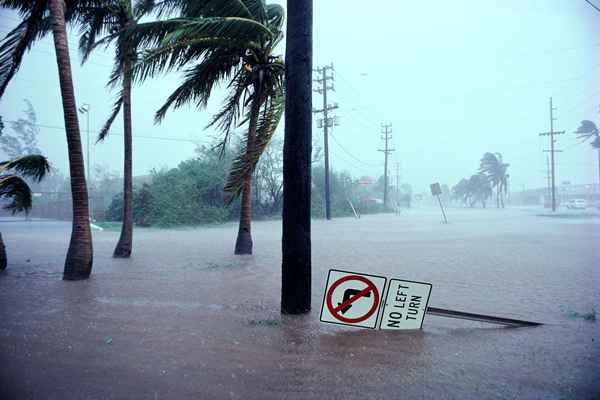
<point>186,319</point>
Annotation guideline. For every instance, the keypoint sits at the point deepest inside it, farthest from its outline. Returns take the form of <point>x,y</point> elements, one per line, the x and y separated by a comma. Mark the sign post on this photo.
<point>436,190</point>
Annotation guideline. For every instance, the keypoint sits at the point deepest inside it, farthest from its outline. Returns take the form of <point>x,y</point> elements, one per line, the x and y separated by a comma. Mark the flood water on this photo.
<point>186,319</point>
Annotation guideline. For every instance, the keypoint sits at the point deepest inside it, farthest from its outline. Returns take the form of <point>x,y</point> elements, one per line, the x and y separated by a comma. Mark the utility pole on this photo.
<point>386,130</point>
<point>548,177</point>
<point>326,123</point>
<point>85,109</point>
<point>552,151</point>
<point>397,187</point>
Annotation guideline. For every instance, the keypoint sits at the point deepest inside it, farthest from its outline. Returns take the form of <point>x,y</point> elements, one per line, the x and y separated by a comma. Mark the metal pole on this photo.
<point>552,156</point>
<point>440,312</point>
<point>326,146</point>
<point>442,208</point>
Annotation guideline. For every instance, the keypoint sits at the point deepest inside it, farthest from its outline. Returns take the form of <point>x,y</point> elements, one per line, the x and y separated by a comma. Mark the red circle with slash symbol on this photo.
<point>335,311</point>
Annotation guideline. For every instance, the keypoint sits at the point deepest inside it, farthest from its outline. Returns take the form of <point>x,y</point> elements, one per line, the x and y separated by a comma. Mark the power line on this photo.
<point>353,156</point>
<point>592,4</point>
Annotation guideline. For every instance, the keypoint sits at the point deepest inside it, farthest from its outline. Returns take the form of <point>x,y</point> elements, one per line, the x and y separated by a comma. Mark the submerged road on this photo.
<point>186,319</point>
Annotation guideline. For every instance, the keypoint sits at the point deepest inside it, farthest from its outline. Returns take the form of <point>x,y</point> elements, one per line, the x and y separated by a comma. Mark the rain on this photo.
<point>224,193</point>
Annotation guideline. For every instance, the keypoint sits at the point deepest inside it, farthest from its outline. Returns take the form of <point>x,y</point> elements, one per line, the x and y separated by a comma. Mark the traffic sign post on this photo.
<point>436,190</point>
<point>356,299</point>
<point>352,299</point>
<point>405,305</point>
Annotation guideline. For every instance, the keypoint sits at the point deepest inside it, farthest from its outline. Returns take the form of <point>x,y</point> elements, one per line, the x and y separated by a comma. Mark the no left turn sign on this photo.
<point>352,298</point>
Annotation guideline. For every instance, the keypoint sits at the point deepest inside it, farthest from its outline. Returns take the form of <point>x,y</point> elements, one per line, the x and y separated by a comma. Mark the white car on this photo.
<point>576,204</point>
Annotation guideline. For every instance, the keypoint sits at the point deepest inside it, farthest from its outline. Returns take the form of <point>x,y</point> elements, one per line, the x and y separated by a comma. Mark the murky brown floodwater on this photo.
<point>185,319</point>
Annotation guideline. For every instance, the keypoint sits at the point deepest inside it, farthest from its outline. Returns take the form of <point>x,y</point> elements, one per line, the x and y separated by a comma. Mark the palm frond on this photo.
<point>234,28</point>
<point>587,129</point>
<point>16,189</point>
<point>227,118</point>
<point>34,166</point>
<point>116,108</point>
<point>258,9</point>
<point>245,163</point>
<point>19,40</point>
<point>199,81</point>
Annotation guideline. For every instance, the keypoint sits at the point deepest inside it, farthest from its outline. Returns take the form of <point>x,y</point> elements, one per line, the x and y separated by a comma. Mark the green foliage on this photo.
<point>190,194</point>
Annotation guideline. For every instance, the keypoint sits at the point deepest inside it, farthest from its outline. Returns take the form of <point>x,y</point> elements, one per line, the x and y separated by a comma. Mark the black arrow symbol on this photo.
<point>347,294</point>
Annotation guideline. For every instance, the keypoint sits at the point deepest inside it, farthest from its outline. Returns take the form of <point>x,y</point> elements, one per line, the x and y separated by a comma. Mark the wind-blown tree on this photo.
<point>588,131</point>
<point>102,23</point>
<point>460,191</point>
<point>296,235</point>
<point>495,169</point>
<point>227,41</point>
<point>479,190</point>
<point>40,17</point>
<point>16,189</point>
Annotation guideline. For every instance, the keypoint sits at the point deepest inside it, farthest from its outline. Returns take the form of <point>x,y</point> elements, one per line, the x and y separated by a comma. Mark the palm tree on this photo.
<point>15,188</point>
<point>588,130</point>
<point>39,18</point>
<point>296,238</point>
<point>231,41</point>
<point>114,19</point>
<point>492,166</point>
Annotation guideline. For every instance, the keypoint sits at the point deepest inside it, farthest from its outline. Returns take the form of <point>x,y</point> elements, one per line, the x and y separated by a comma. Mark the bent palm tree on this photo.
<point>39,18</point>
<point>15,188</point>
<point>495,170</point>
<point>114,19</point>
<point>232,41</point>
<point>588,131</point>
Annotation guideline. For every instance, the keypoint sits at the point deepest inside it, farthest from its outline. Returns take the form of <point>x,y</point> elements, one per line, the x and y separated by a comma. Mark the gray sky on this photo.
<point>455,78</point>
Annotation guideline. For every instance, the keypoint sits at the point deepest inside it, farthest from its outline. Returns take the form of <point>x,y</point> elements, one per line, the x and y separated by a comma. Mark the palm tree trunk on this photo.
<point>78,264</point>
<point>297,153</point>
<point>497,197</point>
<point>2,254</point>
<point>124,246</point>
<point>243,244</point>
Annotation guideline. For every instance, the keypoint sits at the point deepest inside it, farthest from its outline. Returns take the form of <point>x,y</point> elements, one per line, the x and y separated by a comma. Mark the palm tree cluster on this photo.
<point>476,189</point>
<point>211,41</point>
<point>479,187</point>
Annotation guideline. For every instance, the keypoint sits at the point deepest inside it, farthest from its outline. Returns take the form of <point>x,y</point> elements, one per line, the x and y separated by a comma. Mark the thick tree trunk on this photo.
<point>124,246</point>
<point>3,261</point>
<point>297,153</point>
<point>78,264</point>
<point>243,243</point>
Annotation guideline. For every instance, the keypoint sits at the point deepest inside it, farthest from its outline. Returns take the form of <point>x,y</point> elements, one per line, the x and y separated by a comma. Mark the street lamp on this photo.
<point>85,109</point>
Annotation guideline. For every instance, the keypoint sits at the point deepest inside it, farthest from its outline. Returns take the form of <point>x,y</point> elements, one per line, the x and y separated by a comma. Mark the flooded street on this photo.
<point>186,319</point>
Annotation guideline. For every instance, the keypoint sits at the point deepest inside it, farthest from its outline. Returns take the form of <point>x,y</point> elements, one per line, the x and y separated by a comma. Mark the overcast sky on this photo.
<point>454,78</point>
